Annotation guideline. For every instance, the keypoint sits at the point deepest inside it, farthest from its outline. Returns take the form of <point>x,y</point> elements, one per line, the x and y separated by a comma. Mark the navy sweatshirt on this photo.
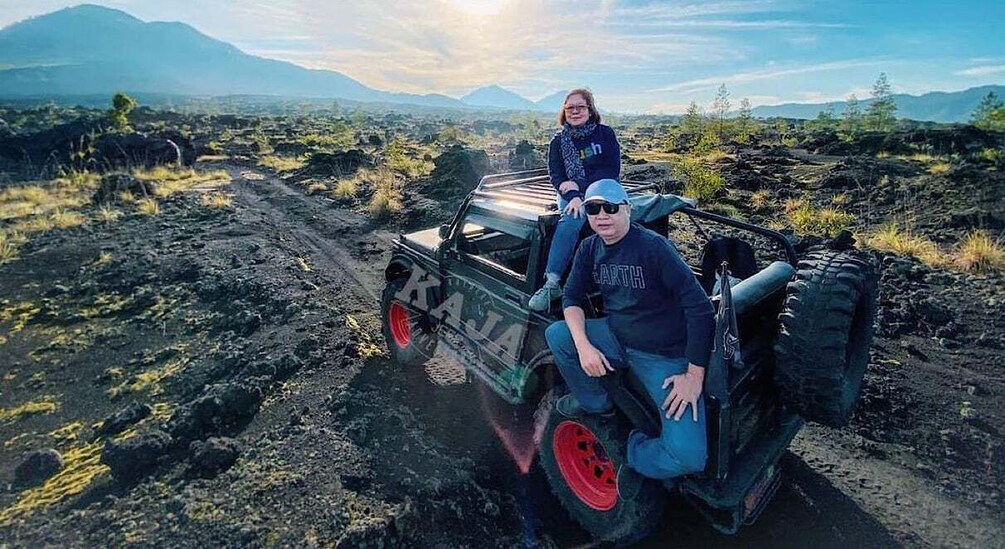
<point>599,152</point>
<point>652,299</point>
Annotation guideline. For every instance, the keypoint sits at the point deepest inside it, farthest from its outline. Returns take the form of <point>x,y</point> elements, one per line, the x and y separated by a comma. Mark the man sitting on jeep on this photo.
<point>659,323</point>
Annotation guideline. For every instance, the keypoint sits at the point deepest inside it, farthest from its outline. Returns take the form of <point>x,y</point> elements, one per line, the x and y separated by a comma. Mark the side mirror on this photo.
<point>444,231</point>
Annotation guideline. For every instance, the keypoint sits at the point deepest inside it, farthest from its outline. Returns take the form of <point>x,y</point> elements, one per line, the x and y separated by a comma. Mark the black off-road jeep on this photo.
<point>805,327</point>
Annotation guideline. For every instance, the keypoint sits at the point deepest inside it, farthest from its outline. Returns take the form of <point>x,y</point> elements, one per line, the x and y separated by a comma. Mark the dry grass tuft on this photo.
<point>78,179</point>
<point>216,201</point>
<point>108,214</point>
<point>346,188</point>
<point>761,199</point>
<point>979,253</point>
<point>172,181</point>
<point>8,248</point>
<point>127,197</point>
<point>384,202</point>
<point>148,206</point>
<point>317,187</point>
<point>282,163</point>
<point>793,204</point>
<point>939,168</point>
<point>824,221</point>
<point>67,220</point>
<point>891,238</point>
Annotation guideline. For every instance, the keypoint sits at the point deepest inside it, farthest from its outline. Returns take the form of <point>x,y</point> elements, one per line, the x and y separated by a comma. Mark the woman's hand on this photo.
<point>575,207</point>
<point>593,362</point>
<point>686,390</point>
<point>567,186</point>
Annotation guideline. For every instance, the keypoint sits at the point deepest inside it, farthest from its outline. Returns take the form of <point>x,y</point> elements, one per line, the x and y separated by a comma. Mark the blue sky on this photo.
<point>637,56</point>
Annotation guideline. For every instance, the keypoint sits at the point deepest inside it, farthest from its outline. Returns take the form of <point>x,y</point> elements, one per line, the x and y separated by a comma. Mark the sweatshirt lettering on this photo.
<point>623,276</point>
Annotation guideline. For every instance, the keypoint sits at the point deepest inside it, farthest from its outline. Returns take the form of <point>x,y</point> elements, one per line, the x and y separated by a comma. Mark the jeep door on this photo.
<point>486,288</point>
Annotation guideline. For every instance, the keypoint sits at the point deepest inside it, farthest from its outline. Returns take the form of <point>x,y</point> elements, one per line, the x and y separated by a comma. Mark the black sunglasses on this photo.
<point>593,208</point>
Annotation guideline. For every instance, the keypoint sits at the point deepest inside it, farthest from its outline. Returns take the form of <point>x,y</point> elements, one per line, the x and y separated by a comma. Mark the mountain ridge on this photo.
<point>92,50</point>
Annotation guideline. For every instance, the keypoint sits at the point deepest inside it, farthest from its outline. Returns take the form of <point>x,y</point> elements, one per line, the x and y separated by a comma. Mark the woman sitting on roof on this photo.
<point>582,152</point>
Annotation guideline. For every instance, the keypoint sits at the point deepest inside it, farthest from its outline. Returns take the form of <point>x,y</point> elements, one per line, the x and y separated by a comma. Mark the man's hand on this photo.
<point>593,362</point>
<point>575,207</point>
<point>686,390</point>
<point>567,186</point>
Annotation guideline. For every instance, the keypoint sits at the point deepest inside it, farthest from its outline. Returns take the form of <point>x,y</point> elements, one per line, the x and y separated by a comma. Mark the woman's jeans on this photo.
<point>563,244</point>
<point>681,446</point>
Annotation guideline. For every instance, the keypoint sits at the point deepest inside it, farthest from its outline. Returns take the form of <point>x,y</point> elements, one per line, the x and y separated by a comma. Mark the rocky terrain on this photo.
<point>213,373</point>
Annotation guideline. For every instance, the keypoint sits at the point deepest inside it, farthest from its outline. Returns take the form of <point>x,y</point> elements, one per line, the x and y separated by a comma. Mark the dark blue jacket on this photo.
<point>652,299</point>
<point>599,152</point>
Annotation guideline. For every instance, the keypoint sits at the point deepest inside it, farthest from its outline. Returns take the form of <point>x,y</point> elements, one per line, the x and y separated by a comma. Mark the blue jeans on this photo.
<point>681,447</point>
<point>563,244</point>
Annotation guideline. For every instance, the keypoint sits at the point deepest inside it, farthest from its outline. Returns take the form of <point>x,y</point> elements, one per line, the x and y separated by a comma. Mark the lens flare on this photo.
<point>519,428</point>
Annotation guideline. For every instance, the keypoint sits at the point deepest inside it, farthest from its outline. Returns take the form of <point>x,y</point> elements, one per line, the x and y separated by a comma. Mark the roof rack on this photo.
<point>533,188</point>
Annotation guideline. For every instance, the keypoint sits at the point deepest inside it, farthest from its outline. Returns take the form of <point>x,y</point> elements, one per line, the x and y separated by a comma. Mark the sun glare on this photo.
<point>479,7</point>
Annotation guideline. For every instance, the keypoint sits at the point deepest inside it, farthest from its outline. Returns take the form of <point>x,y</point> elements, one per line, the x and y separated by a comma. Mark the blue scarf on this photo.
<point>570,156</point>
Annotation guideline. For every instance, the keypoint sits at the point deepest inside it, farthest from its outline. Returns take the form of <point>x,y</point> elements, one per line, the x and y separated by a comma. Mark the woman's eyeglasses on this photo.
<point>593,208</point>
<point>576,108</point>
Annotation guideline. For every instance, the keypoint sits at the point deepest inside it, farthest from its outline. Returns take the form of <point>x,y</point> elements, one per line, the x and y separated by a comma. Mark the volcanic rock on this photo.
<point>37,466</point>
<point>214,455</point>
<point>457,172</point>
<point>134,149</point>
<point>340,163</point>
<point>222,408</point>
<point>132,458</point>
<point>117,422</point>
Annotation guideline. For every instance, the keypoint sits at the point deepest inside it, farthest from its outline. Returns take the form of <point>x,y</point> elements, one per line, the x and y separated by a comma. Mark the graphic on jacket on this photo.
<point>593,150</point>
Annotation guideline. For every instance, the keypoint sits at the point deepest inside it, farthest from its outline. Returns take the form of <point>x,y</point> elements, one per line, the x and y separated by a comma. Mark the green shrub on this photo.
<point>700,181</point>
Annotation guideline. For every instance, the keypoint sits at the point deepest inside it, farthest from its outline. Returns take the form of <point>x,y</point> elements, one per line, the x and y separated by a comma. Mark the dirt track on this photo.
<point>355,451</point>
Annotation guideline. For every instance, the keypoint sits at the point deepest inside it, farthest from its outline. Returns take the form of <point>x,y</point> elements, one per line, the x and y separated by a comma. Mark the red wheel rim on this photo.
<point>585,466</point>
<point>401,330</point>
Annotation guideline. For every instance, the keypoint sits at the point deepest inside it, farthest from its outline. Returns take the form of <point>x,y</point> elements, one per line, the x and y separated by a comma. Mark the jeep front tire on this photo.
<point>407,331</point>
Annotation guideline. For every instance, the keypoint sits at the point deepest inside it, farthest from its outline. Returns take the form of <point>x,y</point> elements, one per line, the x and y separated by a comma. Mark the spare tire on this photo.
<point>825,331</point>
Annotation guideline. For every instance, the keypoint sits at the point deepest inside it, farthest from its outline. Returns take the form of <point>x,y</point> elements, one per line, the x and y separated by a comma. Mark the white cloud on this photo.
<point>703,84</point>
<point>983,70</point>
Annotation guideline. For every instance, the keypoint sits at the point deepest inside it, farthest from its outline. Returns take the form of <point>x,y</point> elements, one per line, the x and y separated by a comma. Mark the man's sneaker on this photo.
<point>542,298</point>
<point>569,407</point>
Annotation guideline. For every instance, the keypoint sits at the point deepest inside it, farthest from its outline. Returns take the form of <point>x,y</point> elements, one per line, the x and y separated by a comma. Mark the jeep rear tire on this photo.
<point>586,465</point>
<point>826,329</point>
<point>407,331</point>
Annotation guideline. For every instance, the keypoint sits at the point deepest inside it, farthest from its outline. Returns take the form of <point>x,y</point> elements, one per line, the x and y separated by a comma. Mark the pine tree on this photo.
<point>881,114</point>
<point>825,120</point>
<point>122,105</point>
<point>719,109</point>
<point>851,120</point>
<point>693,122</point>
<point>983,114</point>
<point>745,121</point>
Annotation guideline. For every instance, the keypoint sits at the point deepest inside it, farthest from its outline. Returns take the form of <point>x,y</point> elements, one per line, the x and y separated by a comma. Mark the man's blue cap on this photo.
<point>606,190</point>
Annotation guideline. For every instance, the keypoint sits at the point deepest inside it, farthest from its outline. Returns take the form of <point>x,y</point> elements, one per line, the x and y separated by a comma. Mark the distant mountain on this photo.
<point>498,97</point>
<point>91,49</point>
<point>933,106</point>
<point>552,102</point>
